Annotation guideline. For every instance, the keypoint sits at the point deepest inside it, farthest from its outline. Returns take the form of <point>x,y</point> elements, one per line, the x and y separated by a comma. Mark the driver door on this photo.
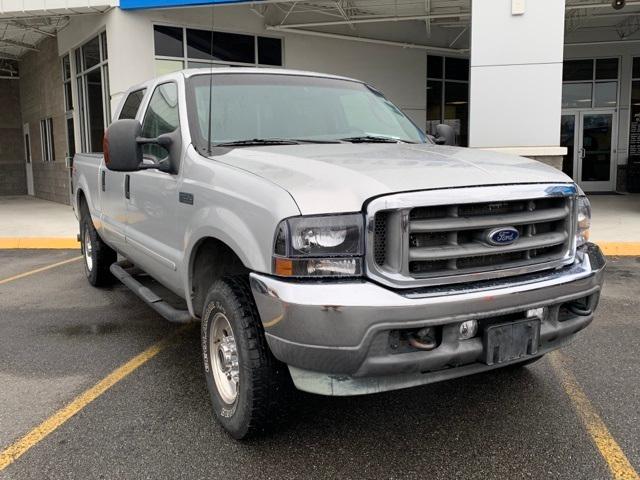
<point>153,235</point>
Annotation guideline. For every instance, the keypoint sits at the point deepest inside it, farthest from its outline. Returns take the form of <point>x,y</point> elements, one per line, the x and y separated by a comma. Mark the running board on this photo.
<point>154,301</point>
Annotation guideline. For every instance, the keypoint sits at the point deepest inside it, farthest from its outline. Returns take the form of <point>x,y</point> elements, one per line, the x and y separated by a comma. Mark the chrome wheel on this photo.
<point>88,250</point>
<point>223,353</point>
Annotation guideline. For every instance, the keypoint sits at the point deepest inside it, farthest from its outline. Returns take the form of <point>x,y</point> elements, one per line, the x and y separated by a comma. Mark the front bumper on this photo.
<point>335,335</point>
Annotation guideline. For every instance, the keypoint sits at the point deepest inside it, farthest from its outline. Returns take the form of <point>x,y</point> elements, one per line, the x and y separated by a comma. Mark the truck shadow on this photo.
<point>444,427</point>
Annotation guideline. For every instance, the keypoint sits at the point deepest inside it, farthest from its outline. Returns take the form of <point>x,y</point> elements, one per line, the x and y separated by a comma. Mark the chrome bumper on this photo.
<point>335,335</point>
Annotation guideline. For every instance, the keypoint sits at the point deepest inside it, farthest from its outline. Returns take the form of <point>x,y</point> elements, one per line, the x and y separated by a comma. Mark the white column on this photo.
<point>516,76</point>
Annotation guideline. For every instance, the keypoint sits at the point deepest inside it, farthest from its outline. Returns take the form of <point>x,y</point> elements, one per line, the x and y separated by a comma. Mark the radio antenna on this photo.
<point>210,85</point>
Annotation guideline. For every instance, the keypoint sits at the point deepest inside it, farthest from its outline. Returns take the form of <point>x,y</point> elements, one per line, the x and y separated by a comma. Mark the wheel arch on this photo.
<point>209,260</point>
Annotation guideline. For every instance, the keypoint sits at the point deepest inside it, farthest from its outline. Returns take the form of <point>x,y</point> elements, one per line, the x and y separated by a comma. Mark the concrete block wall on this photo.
<point>12,164</point>
<point>41,95</point>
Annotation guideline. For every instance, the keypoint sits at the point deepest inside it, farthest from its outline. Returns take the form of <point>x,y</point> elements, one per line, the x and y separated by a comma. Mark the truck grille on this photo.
<point>449,242</point>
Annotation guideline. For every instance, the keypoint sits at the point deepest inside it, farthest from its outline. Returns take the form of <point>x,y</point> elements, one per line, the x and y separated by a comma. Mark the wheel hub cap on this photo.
<point>88,250</point>
<point>224,359</point>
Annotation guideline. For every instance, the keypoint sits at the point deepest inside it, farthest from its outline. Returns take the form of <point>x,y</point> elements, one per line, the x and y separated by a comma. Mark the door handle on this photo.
<point>583,152</point>
<point>103,182</point>
<point>127,182</point>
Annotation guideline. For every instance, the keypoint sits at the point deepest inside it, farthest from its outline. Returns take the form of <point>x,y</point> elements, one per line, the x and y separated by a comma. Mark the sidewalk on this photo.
<point>29,222</point>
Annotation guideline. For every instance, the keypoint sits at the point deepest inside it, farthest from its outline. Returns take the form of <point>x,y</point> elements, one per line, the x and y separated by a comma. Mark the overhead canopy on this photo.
<point>26,23</point>
<point>433,25</point>
<point>140,4</point>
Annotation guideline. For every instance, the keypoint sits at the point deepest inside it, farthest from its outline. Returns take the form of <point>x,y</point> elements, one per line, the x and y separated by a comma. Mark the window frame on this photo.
<point>593,82</point>
<point>80,75</point>
<point>69,112</point>
<point>443,80</point>
<point>186,60</point>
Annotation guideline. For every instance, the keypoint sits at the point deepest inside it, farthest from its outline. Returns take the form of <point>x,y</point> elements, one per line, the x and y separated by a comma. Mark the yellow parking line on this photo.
<point>620,248</point>
<point>38,270</point>
<point>617,461</point>
<point>38,242</point>
<point>20,447</point>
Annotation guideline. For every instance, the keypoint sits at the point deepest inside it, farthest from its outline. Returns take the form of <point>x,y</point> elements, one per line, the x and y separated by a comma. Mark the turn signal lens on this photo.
<point>583,218</point>
<point>283,267</point>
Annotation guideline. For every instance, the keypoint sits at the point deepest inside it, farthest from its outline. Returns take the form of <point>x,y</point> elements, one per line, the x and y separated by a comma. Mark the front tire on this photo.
<point>247,385</point>
<point>98,256</point>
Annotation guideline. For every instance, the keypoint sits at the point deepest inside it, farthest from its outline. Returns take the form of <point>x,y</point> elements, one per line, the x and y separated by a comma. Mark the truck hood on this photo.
<point>341,177</point>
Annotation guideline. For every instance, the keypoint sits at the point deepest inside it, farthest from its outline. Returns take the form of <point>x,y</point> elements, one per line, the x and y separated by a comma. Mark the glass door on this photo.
<point>596,152</point>
<point>589,138</point>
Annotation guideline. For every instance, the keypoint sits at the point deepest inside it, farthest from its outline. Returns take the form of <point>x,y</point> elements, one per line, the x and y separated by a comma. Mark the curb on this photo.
<point>39,243</point>
<point>620,249</point>
<point>616,249</point>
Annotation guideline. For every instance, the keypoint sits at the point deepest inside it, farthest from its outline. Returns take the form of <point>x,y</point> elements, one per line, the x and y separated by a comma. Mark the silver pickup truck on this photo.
<point>324,241</point>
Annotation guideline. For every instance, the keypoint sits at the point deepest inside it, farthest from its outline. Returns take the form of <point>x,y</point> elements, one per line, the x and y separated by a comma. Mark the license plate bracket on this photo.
<point>505,342</point>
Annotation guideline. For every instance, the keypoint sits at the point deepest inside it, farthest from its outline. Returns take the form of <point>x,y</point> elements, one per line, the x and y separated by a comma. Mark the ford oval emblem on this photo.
<point>502,236</point>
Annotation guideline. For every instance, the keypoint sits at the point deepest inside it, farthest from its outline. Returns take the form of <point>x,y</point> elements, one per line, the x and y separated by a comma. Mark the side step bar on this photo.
<point>154,301</point>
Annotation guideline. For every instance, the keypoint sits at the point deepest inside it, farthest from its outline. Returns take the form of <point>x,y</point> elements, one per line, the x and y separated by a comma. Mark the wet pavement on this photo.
<point>59,336</point>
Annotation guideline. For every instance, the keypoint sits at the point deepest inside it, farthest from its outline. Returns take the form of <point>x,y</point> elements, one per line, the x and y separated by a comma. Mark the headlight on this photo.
<point>583,214</point>
<point>319,246</point>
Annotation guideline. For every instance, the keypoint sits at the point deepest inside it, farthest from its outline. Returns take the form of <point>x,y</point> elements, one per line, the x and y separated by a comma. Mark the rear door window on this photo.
<point>131,105</point>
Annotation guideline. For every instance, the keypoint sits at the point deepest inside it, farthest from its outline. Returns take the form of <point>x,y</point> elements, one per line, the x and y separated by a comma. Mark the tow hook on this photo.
<point>424,339</point>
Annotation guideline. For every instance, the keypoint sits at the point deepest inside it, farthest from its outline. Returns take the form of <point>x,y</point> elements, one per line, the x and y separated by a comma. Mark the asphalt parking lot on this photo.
<point>60,337</point>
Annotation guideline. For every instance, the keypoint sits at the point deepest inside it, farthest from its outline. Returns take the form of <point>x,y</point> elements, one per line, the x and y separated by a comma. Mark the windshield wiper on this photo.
<point>256,141</point>
<point>374,139</point>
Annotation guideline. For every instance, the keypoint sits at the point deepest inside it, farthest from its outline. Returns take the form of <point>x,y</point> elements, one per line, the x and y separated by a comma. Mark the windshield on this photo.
<point>250,108</point>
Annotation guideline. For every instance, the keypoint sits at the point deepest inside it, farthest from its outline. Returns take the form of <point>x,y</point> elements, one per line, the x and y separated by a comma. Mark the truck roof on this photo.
<point>190,72</point>
<point>262,71</point>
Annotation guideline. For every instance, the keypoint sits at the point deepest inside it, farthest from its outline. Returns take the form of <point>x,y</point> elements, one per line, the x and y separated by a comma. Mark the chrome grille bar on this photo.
<point>486,221</point>
<point>476,249</point>
<point>437,237</point>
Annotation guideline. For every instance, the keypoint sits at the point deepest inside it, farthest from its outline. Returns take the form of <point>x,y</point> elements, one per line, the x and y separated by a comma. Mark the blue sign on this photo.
<point>141,4</point>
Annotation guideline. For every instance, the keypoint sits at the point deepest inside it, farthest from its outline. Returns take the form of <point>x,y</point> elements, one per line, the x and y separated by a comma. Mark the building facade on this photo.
<point>552,80</point>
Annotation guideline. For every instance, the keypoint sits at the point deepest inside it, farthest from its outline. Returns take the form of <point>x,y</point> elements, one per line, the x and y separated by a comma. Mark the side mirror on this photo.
<point>123,147</point>
<point>445,135</point>
<point>122,152</point>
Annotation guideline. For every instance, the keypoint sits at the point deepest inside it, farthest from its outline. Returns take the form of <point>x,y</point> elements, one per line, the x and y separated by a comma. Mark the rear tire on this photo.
<point>247,385</point>
<point>98,256</point>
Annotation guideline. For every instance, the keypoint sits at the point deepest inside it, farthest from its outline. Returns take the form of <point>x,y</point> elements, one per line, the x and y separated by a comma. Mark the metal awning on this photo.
<point>25,23</point>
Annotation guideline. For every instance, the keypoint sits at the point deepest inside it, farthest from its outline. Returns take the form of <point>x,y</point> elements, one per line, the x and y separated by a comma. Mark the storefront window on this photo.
<point>206,48</point>
<point>634,124</point>
<point>605,94</point>
<point>590,83</point>
<point>9,68</point>
<point>576,95</point>
<point>448,95</point>
<point>92,78</point>
<point>168,41</point>
<point>68,105</point>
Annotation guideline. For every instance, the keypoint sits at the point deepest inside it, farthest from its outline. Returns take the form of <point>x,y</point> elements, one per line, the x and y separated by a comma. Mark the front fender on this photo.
<point>238,208</point>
